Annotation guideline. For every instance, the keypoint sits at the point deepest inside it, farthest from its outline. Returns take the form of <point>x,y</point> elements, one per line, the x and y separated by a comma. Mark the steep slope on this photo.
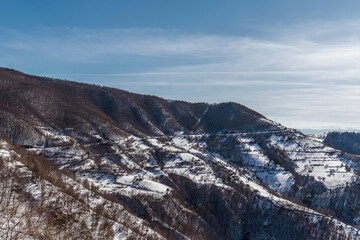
<point>39,201</point>
<point>189,197</point>
<point>140,167</point>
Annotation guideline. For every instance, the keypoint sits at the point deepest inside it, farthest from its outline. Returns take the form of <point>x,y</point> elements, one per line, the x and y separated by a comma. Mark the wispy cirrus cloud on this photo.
<point>303,72</point>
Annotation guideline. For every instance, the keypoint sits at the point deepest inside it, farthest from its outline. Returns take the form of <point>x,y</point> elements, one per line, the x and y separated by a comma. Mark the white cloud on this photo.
<point>304,73</point>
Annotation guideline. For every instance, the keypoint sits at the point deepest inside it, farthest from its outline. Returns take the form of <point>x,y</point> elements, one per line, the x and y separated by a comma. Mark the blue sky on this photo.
<point>293,61</point>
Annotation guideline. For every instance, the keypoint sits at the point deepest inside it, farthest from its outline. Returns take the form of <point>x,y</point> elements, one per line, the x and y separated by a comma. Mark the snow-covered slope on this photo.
<point>315,159</point>
<point>45,206</point>
<point>144,167</point>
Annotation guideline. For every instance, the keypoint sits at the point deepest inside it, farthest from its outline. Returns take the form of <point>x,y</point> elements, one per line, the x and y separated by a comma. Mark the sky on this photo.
<point>296,62</point>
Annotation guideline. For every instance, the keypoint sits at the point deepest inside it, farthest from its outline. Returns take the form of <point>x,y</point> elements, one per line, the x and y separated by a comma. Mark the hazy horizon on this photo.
<point>294,62</point>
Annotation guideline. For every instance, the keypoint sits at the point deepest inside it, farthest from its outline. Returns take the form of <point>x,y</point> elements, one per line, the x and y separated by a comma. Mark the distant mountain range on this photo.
<point>81,161</point>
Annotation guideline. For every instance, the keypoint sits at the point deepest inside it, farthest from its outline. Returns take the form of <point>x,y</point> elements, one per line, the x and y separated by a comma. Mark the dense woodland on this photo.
<point>27,100</point>
<point>345,141</point>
